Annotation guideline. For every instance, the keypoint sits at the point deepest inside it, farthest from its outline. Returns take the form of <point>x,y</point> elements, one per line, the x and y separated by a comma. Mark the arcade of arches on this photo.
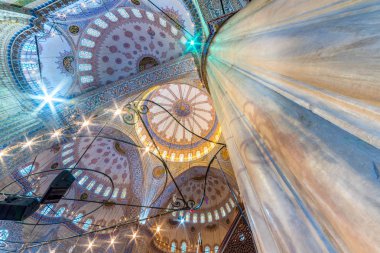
<point>190,126</point>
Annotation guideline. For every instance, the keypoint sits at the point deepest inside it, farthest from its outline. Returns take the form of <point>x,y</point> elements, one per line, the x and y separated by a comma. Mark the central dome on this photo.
<point>178,114</point>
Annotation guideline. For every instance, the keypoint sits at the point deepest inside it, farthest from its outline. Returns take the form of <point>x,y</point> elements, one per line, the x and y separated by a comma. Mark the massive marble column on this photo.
<point>296,88</point>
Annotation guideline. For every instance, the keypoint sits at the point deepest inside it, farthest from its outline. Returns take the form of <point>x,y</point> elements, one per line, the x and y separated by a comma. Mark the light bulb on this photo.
<point>118,112</point>
<point>86,123</point>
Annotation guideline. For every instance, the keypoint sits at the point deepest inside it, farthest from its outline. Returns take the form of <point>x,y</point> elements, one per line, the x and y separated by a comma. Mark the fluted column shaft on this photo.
<point>295,85</point>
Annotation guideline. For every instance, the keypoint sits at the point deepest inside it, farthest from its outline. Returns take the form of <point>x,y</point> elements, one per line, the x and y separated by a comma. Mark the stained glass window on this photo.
<point>90,185</point>
<point>207,249</point>
<point>87,224</point>
<point>183,247</point>
<point>216,214</point>
<point>85,67</point>
<point>85,54</point>
<point>93,32</point>
<point>216,249</point>
<point>115,192</point>
<point>87,43</point>
<point>27,170</point>
<point>68,160</point>
<point>187,217</point>
<point>66,152</point>
<point>78,218</point>
<point>150,15</point>
<point>60,212</point>
<point>86,79</point>
<point>77,173</point>
<point>228,207</point>
<point>174,30</point>
<point>47,209</point>
<point>123,193</point>
<point>173,247</point>
<point>111,16</point>
<point>222,211</point>
<point>30,193</point>
<point>98,189</point>
<point>203,218</point>
<point>195,218</point>
<point>107,191</point>
<point>4,233</point>
<point>30,47</point>
<point>29,66</point>
<point>83,180</point>
<point>137,13</point>
<point>123,13</point>
<point>232,203</point>
<point>209,217</point>
<point>68,145</point>
<point>101,23</point>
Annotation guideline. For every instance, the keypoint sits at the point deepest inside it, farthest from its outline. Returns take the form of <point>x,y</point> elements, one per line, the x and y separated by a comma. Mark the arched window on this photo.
<point>222,211</point>
<point>232,203</point>
<point>90,185</point>
<point>4,233</point>
<point>209,217</point>
<point>115,192</point>
<point>77,173</point>
<point>187,217</point>
<point>183,247</point>
<point>68,160</point>
<point>216,214</point>
<point>78,218</point>
<point>123,193</point>
<point>107,191</point>
<point>207,249</point>
<point>30,193</point>
<point>203,218</point>
<point>27,170</point>
<point>173,247</point>
<point>66,152</point>
<point>216,249</point>
<point>228,207</point>
<point>87,224</point>
<point>47,209</point>
<point>60,212</point>
<point>83,180</point>
<point>98,189</point>
<point>195,218</point>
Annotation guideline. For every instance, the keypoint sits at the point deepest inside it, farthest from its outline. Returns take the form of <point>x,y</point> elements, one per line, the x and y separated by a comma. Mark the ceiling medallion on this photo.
<point>74,29</point>
<point>225,155</point>
<point>136,2</point>
<point>158,172</point>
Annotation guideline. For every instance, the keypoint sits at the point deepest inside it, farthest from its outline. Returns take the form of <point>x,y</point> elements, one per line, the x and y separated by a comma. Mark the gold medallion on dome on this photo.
<point>74,29</point>
<point>225,155</point>
<point>181,118</point>
<point>158,172</point>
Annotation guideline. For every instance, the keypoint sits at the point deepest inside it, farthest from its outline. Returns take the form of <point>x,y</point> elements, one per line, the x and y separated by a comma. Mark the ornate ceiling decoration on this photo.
<point>173,108</point>
<point>113,45</point>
